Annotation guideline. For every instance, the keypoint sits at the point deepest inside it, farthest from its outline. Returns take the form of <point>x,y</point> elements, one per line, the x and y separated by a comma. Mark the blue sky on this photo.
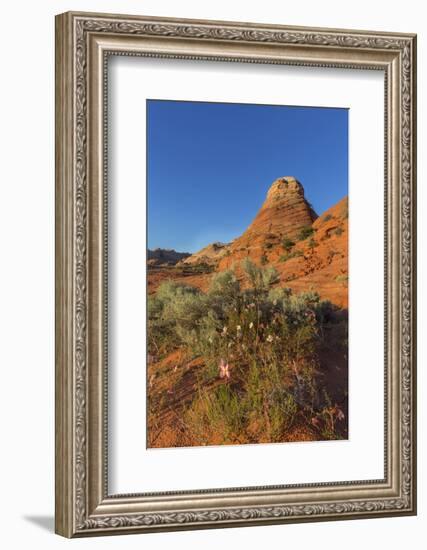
<point>210,165</point>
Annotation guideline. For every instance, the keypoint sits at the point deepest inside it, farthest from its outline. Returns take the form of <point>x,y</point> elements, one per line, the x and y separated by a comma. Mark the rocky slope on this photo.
<point>319,262</point>
<point>210,255</point>
<point>309,252</point>
<point>165,256</point>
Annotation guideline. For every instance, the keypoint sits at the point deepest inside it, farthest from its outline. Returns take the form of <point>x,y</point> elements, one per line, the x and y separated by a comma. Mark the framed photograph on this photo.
<point>235,274</point>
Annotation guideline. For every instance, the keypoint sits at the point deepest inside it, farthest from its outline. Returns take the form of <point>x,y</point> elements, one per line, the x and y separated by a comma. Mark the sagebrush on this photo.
<point>259,346</point>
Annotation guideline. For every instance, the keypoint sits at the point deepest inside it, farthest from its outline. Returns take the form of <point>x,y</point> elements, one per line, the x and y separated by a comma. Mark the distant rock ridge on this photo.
<point>209,255</point>
<point>165,256</point>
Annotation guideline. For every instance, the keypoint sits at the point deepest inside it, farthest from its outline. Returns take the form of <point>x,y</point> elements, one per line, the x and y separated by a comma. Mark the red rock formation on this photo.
<point>318,262</point>
<point>284,213</point>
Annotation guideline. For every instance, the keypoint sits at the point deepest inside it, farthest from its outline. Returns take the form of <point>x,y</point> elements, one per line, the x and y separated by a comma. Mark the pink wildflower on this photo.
<point>224,369</point>
<point>340,414</point>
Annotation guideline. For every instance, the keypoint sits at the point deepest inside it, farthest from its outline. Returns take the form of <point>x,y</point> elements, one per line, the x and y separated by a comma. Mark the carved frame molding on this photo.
<point>83,43</point>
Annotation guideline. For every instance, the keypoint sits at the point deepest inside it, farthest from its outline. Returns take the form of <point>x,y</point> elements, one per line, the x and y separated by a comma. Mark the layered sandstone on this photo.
<point>284,214</point>
<point>309,252</point>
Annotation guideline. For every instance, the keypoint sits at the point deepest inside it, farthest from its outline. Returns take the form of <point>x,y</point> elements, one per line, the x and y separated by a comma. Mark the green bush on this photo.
<point>305,232</point>
<point>338,231</point>
<point>342,279</point>
<point>202,268</point>
<point>344,212</point>
<point>312,243</point>
<point>287,244</point>
<point>293,254</point>
<point>260,279</point>
<point>282,412</point>
<point>225,285</point>
<point>173,314</point>
<point>220,411</point>
<point>267,335</point>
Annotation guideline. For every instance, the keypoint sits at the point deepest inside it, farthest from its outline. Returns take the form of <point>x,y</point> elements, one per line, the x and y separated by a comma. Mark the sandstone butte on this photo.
<point>318,262</point>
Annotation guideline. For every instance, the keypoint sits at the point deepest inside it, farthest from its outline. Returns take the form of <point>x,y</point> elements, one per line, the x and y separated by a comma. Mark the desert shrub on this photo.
<point>342,279</point>
<point>268,245</point>
<point>263,336</point>
<point>202,268</point>
<point>287,244</point>
<point>344,212</point>
<point>312,243</point>
<point>282,411</point>
<point>225,285</point>
<point>260,279</point>
<point>339,231</point>
<point>173,315</point>
<point>264,259</point>
<point>327,218</point>
<point>328,417</point>
<point>305,232</point>
<point>218,412</point>
<point>325,313</point>
<point>290,255</point>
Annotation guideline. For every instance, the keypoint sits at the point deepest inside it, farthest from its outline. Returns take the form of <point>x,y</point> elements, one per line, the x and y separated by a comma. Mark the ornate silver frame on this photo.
<point>83,42</point>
